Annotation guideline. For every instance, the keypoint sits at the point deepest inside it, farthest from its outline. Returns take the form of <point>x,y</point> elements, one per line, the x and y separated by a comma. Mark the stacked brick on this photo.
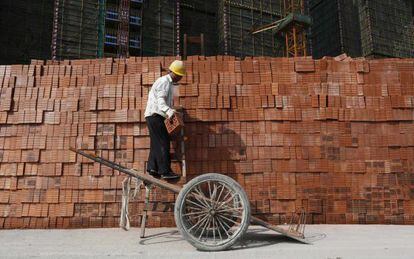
<point>335,136</point>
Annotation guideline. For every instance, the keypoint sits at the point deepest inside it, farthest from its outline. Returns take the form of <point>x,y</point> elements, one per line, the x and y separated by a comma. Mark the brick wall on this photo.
<point>335,136</point>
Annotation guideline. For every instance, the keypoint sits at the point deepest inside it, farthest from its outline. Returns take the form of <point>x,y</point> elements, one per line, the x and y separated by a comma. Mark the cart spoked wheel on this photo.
<point>212,212</point>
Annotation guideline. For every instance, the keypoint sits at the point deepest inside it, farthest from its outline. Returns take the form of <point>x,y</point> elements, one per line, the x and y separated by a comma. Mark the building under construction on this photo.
<point>370,28</point>
<point>26,30</point>
<point>96,28</point>
<point>74,29</point>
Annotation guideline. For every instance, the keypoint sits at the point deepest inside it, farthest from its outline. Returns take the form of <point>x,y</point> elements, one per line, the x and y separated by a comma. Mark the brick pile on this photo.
<point>335,136</point>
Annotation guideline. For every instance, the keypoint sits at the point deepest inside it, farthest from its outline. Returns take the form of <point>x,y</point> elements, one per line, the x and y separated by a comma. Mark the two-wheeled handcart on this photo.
<point>212,210</point>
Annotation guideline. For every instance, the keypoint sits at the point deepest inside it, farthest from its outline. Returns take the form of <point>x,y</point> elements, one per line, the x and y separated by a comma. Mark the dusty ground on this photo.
<point>329,241</point>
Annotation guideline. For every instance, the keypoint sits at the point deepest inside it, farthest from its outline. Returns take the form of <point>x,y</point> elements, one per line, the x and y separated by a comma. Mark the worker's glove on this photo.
<point>170,113</point>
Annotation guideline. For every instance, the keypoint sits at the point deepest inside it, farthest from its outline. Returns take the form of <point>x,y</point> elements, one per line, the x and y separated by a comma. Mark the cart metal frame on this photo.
<point>294,230</point>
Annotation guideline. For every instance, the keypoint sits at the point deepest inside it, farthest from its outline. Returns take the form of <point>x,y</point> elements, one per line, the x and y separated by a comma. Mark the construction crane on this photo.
<point>292,26</point>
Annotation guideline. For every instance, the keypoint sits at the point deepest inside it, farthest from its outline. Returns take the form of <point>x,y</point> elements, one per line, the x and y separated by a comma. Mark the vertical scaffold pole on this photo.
<point>55,30</point>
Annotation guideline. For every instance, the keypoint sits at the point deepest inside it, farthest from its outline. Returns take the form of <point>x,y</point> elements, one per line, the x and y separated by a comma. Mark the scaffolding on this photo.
<point>236,18</point>
<point>123,28</point>
<point>76,31</point>
<point>374,28</point>
<point>159,32</point>
<point>101,28</point>
<point>387,28</point>
<point>26,28</point>
<point>55,29</point>
<point>335,28</point>
<point>292,26</point>
<point>178,27</point>
<point>198,18</point>
<point>96,28</point>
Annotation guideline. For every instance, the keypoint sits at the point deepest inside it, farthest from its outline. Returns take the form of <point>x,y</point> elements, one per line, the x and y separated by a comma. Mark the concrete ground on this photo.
<point>329,241</point>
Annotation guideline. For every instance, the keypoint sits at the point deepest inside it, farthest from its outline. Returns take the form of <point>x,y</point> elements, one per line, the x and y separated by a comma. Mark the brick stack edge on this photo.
<point>335,136</point>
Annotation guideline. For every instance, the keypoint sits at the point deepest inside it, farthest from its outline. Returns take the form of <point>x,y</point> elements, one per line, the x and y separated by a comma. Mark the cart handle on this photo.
<point>130,172</point>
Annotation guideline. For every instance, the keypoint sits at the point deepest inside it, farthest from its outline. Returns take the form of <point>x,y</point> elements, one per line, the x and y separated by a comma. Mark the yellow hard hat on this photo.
<point>177,67</point>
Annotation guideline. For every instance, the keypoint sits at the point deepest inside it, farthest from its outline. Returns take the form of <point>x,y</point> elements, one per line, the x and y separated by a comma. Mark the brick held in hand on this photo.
<point>174,124</point>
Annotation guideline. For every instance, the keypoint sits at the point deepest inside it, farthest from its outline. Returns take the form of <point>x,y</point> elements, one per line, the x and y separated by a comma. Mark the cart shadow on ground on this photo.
<point>254,238</point>
<point>260,238</point>
<point>160,238</point>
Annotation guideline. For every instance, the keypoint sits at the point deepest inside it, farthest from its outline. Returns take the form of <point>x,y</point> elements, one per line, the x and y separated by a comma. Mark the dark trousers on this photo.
<point>159,157</point>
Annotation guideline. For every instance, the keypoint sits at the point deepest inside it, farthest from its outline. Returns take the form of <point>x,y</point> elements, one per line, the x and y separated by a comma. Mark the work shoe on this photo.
<point>153,173</point>
<point>170,175</point>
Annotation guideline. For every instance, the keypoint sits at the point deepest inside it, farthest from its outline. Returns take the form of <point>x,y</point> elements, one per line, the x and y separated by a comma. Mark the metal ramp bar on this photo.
<point>291,232</point>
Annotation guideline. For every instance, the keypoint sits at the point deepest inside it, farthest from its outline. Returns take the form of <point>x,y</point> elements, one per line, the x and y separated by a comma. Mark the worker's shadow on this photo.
<point>212,147</point>
<point>215,147</point>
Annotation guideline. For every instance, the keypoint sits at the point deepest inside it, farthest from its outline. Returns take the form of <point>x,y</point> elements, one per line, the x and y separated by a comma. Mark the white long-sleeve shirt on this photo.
<point>160,97</point>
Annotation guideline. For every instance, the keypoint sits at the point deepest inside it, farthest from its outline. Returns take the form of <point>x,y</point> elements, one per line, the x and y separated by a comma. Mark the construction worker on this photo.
<point>159,107</point>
